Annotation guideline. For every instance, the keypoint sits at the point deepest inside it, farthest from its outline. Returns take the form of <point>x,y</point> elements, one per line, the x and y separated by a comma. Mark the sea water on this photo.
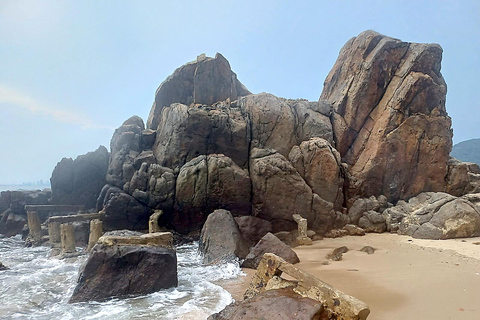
<point>38,287</point>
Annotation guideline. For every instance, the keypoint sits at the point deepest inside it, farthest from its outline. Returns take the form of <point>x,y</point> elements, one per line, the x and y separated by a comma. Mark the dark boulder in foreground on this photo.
<point>221,240</point>
<point>269,244</point>
<point>2,267</point>
<point>125,270</point>
<point>272,305</point>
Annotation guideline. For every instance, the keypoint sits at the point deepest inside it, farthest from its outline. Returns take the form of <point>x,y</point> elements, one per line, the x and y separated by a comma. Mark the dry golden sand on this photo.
<point>405,278</point>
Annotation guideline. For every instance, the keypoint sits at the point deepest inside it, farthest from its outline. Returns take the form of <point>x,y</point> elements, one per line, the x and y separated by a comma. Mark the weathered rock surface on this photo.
<point>125,270</point>
<point>272,305</point>
<point>122,211</point>
<point>204,81</point>
<point>278,190</point>
<point>279,124</point>
<point>337,254</point>
<point>462,178</point>
<point>389,120</point>
<point>372,221</point>
<point>319,164</point>
<point>185,132</point>
<point>336,304</point>
<point>252,228</point>
<point>437,215</point>
<point>125,146</point>
<point>79,181</point>
<point>269,244</point>
<point>207,183</point>
<point>221,239</point>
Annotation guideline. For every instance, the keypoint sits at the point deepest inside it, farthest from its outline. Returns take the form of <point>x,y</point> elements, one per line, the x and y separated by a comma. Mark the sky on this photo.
<point>72,71</point>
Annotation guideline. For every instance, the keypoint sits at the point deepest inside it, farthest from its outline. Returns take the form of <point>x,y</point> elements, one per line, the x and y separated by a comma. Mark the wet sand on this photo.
<point>405,278</point>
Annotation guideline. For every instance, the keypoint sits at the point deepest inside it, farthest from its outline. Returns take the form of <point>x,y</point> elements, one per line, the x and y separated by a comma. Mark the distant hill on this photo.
<point>468,151</point>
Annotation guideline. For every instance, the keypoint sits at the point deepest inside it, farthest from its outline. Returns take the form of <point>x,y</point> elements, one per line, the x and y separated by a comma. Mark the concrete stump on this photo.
<point>153,222</point>
<point>96,231</point>
<point>67,233</point>
<point>302,238</point>
<point>35,230</point>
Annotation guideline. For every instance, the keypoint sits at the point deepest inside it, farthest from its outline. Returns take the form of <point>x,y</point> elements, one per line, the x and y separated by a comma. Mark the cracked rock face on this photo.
<point>389,120</point>
<point>207,183</point>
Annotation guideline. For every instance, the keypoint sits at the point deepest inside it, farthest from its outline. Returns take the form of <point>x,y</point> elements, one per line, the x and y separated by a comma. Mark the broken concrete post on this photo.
<point>34,227</point>
<point>337,305</point>
<point>96,231</point>
<point>67,233</point>
<point>302,238</point>
<point>153,222</point>
<point>54,234</point>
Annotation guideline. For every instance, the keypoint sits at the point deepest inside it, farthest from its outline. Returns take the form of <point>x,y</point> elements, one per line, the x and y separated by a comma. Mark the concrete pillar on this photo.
<point>54,234</point>
<point>153,222</point>
<point>67,232</point>
<point>302,238</point>
<point>35,230</point>
<point>96,231</point>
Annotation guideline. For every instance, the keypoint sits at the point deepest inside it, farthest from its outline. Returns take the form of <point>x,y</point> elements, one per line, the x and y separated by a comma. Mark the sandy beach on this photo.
<point>405,278</point>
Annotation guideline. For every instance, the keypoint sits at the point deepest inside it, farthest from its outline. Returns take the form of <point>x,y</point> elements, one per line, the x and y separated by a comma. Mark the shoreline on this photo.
<point>405,278</point>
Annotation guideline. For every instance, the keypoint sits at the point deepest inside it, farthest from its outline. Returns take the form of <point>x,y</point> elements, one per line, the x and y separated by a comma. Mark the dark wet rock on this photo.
<point>221,239</point>
<point>122,211</point>
<point>2,267</point>
<point>121,271</point>
<point>269,244</point>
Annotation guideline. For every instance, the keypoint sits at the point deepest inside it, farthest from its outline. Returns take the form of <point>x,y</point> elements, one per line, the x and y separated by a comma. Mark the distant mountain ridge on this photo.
<point>468,151</point>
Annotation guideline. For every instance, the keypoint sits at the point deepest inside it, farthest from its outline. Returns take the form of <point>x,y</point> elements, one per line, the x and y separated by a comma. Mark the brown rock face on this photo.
<point>272,305</point>
<point>205,81</point>
<point>319,164</point>
<point>187,132</point>
<point>389,121</point>
<point>207,183</point>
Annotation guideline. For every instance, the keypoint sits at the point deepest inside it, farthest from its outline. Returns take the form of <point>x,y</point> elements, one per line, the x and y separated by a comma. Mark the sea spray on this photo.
<point>38,287</point>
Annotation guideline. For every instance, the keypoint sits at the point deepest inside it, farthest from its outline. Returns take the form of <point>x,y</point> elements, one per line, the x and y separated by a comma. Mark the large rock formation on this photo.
<point>79,181</point>
<point>389,120</point>
<point>380,129</point>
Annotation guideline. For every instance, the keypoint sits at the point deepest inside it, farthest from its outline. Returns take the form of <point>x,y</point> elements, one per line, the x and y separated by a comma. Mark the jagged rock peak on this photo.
<point>204,81</point>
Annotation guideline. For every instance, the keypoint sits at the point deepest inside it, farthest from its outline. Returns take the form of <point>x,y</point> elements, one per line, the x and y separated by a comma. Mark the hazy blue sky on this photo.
<point>72,71</point>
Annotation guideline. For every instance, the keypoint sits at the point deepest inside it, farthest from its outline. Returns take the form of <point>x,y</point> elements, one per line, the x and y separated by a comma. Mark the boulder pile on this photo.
<point>379,134</point>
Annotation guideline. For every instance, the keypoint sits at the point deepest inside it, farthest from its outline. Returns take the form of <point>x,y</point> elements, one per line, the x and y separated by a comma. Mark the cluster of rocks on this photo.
<point>13,217</point>
<point>380,129</point>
